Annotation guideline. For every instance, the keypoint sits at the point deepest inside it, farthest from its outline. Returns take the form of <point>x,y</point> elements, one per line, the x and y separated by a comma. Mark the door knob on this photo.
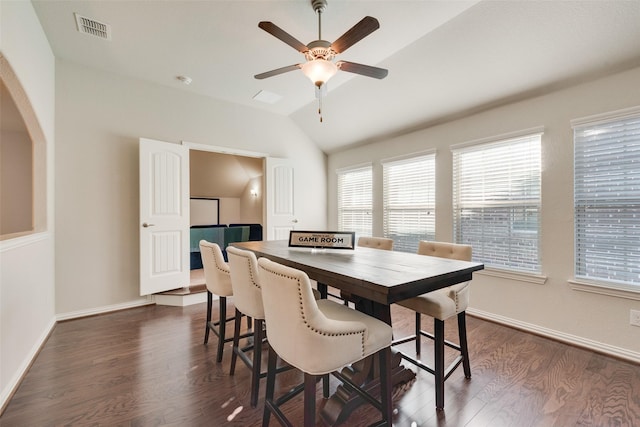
<point>145,225</point>
<point>295,221</point>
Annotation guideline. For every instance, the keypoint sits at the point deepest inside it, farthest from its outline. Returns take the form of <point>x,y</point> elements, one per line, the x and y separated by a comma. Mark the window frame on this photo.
<point>586,283</point>
<point>428,205</point>
<point>367,210</point>
<point>507,267</point>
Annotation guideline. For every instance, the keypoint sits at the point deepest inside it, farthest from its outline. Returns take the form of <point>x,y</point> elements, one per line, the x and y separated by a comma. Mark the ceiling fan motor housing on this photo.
<point>319,49</point>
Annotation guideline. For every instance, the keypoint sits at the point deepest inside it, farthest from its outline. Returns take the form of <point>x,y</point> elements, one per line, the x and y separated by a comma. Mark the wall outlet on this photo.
<point>634,317</point>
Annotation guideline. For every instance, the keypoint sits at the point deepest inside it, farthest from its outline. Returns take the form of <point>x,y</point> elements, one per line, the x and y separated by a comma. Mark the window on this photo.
<point>607,200</point>
<point>409,201</point>
<point>496,201</point>
<point>355,200</point>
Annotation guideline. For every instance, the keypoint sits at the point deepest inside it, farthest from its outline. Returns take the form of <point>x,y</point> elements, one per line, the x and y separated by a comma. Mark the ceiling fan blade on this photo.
<point>356,33</point>
<point>281,34</point>
<point>365,70</point>
<point>277,71</point>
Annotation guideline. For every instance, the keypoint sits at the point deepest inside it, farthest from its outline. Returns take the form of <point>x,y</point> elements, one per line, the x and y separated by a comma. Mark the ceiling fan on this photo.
<point>319,54</point>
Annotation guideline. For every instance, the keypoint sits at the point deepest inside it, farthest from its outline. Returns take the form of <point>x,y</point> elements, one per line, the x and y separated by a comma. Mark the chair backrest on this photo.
<point>247,295</point>
<point>376,242</point>
<point>298,330</point>
<point>445,250</point>
<point>216,271</point>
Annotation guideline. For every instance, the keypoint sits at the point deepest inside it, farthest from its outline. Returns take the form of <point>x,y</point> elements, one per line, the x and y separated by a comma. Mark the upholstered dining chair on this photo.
<point>217,275</point>
<point>376,242</point>
<point>441,305</point>
<point>247,297</point>
<point>317,337</point>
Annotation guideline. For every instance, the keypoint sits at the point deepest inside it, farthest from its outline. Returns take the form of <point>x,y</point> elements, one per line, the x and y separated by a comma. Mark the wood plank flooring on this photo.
<point>148,367</point>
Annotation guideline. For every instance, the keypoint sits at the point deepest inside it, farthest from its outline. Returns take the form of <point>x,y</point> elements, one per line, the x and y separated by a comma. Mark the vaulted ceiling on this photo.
<point>445,58</point>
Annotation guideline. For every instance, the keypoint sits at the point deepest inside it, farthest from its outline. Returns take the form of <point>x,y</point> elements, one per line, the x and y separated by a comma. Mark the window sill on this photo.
<point>513,275</point>
<point>602,289</point>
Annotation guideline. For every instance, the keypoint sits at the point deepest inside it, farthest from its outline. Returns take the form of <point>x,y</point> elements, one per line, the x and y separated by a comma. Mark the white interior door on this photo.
<point>164,216</point>
<point>280,202</point>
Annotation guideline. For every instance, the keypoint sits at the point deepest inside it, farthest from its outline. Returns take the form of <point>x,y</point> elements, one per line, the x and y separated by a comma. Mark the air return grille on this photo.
<point>93,27</point>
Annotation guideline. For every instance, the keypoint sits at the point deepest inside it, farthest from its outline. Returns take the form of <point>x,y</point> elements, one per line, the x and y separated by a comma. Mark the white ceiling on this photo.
<point>445,58</point>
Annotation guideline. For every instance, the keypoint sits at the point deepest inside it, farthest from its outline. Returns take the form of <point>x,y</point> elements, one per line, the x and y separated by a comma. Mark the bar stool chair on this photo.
<point>441,305</point>
<point>317,337</point>
<point>376,242</point>
<point>217,276</point>
<point>247,296</point>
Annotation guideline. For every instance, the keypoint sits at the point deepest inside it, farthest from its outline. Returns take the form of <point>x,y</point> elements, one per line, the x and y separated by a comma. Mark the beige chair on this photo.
<point>247,297</point>
<point>318,338</point>
<point>218,280</point>
<point>441,305</point>
<point>376,242</point>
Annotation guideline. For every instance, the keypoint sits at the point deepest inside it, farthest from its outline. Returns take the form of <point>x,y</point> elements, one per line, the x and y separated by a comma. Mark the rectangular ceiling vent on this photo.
<point>92,27</point>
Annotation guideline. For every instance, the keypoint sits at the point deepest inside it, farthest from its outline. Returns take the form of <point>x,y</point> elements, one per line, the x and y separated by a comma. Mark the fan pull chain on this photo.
<point>320,107</point>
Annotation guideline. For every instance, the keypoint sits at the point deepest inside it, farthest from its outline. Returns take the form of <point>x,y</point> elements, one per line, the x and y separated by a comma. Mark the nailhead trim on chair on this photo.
<point>215,261</point>
<point>254,282</point>
<point>361,332</point>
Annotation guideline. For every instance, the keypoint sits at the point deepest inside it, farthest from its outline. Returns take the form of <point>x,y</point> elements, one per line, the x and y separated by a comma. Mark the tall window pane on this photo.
<point>607,201</point>
<point>496,190</point>
<point>355,200</point>
<point>409,201</point>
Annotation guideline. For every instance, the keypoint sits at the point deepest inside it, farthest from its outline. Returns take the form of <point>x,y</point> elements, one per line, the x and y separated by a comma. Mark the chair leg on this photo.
<point>257,361</point>
<point>438,329</point>
<point>325,386</point>
<point>222,328</point>
<point>418,334</point>
<point>270,388</point>
<point>206,325</point>
<point>464,350</point>
<point>386,385</point>
<point>236,341</point>
<point>309,400</point>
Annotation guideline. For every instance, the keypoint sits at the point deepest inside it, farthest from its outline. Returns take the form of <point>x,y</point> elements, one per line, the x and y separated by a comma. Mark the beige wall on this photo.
<point>552,308</point>
<point>27,285</point>
<point>99,120</point>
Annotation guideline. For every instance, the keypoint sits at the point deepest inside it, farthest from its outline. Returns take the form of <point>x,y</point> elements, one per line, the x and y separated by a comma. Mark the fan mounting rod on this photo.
<point>319,6</point>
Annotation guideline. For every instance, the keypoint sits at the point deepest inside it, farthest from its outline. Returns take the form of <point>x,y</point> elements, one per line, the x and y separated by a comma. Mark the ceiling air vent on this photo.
<point>93,27</point>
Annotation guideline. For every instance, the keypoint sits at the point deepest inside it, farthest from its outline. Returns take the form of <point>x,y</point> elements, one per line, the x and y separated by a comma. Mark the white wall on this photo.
<point>27,264</point>
<point>553,308</point>
<point>99,120</point>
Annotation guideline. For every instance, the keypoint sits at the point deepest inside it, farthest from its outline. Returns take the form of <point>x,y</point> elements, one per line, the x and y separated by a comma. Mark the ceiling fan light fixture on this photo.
<point>319,71</point>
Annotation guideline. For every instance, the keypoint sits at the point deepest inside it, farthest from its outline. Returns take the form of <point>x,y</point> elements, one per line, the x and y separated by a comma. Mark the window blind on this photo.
<point>496,192</point>
<point>355,200</point>
<point>607,201</point>
<point>409,201</point>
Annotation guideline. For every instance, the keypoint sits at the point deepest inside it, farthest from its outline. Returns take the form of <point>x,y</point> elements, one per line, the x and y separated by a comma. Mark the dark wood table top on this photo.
<point>381,276</point>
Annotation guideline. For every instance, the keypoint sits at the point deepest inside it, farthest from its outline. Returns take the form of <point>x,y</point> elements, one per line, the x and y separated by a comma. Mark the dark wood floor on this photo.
<point>148,367</point>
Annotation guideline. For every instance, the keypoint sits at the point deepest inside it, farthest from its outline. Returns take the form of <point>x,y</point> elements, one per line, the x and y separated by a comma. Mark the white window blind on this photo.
<point>607,201</point>
<point>496,190</point>
<point>355,200</point>
<point>409,201</point>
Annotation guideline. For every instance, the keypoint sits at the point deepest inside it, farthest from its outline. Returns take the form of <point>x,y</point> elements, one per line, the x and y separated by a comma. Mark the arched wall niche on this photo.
<point>30,207</point>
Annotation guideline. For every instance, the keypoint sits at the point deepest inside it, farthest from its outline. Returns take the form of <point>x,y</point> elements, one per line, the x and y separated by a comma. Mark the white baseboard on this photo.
<point>105,309</point>
<point>581,342</point>
<point>14,382</point>
<point>180,300</point>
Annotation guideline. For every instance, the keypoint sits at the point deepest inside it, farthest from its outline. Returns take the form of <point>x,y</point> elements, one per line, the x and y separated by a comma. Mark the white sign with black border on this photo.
<point>322,239</point>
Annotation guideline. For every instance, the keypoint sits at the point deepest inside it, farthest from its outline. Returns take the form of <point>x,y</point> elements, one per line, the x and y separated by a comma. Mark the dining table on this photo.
<point>374,279</point>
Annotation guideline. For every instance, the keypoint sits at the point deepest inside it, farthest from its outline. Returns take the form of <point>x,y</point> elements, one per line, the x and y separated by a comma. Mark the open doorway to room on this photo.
<point>226,193</point>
